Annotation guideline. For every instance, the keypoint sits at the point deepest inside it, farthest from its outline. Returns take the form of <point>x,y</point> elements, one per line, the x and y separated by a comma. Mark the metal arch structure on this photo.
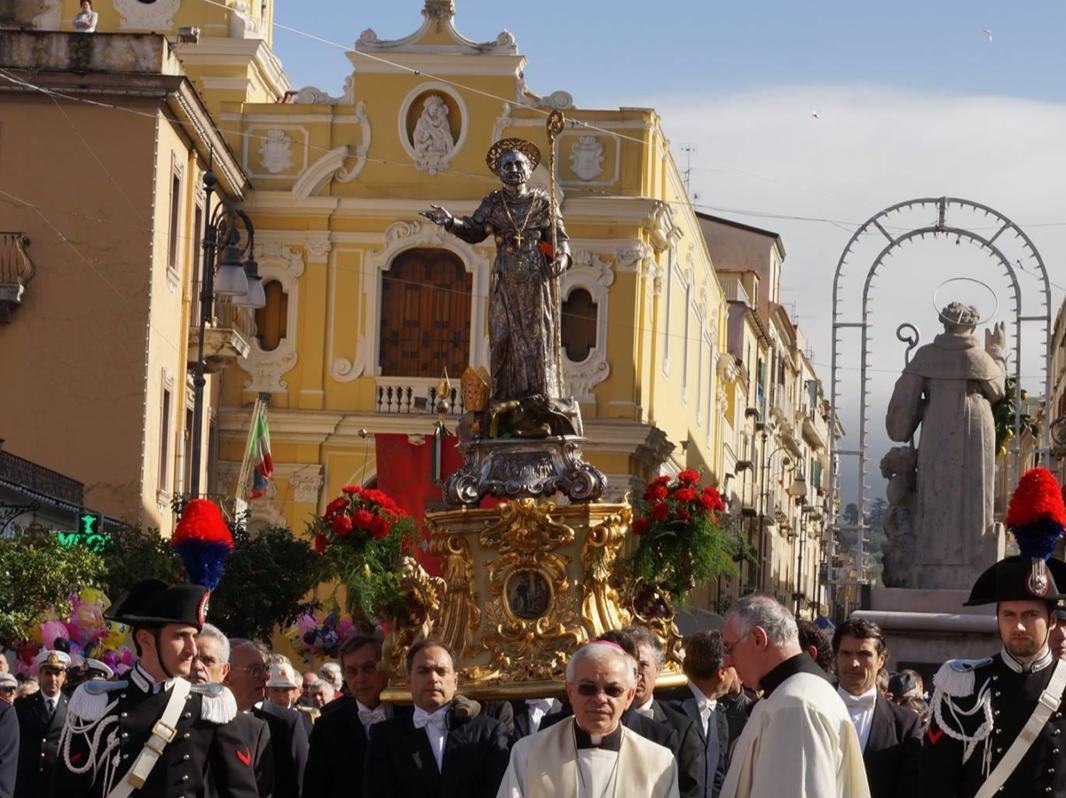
<point>878,225</point>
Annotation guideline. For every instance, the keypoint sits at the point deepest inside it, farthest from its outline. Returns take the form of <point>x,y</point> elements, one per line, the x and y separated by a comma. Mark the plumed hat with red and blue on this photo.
<point>1036,516</point>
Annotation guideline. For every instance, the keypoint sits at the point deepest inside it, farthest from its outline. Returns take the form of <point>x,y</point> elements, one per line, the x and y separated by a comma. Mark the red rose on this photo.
<point>380,527</point>
<point>362,519</point>
<point>342,526</point>
<point>712,499</point>
<point>684,515</point>
<point>660,511</point>
<point>320,544</point>
<point>685,494</point>
<point>640,526</point>
<point>336,506</point>
<point>655,493</point>
<point>660,480</point>
<point>689,476</point>
<point>351,489</point>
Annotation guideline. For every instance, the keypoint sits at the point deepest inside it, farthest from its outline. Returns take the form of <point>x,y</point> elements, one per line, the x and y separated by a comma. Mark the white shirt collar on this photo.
<point>646,706</point>
<point>701,698</point>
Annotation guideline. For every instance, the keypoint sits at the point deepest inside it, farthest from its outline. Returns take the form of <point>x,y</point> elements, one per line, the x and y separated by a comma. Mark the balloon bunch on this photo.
<point>84,633</point>
<point>315,639</point>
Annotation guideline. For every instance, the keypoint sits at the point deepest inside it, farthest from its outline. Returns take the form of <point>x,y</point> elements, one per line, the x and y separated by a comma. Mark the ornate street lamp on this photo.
<point>229,239</point>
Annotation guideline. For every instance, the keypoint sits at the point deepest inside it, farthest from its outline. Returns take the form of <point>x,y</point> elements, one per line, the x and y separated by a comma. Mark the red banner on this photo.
<point>405,471</point>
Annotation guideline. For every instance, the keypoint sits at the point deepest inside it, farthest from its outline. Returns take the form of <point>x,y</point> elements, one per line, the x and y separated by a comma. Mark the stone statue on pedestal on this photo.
<point>947,390</point>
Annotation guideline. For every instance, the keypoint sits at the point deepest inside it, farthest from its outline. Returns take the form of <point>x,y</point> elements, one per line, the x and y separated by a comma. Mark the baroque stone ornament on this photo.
<point>432,137</point>
<point>275,152</point>
<point>586,157</point>
<point>138,15</point>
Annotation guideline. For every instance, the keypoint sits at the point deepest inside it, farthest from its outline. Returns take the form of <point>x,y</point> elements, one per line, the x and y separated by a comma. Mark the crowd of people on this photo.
<point>771,707</point>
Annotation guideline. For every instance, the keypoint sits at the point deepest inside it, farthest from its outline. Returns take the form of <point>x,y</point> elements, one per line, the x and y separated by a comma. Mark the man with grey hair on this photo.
<point>691,757</point>
<point>211,666</point>
<point>800,740</point>
<point>592,753</point>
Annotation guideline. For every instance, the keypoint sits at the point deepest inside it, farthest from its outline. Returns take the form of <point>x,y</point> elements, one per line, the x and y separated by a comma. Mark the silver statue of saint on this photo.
<point>525,349</point>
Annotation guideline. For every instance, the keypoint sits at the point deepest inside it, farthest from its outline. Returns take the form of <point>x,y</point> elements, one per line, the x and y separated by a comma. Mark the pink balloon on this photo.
<point>52,631</point>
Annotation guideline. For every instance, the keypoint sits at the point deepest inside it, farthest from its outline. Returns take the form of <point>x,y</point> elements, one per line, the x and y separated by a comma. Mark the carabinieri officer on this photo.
<point>153,733</point>
<point>998,725</point>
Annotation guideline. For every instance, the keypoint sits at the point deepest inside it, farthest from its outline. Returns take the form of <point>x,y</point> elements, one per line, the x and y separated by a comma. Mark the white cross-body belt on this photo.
<point>163,732</point>
<point>1046,705</point>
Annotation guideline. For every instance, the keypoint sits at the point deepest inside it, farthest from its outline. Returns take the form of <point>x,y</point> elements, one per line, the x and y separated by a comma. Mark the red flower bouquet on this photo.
<point>364,534</point>
<point>680,540</point>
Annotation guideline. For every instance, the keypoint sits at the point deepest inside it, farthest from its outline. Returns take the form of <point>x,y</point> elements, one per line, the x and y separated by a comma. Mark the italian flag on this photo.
<point>257,453</point>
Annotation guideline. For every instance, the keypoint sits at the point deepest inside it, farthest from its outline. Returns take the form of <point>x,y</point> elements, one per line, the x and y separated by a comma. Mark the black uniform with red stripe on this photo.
<point>123,714</point>
<point>1012,692</point>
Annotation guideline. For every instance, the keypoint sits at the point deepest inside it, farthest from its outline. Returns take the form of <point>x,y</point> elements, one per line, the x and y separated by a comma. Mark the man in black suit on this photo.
<point>41,717</point>
<point>708,681</point>
<point>339,738</point>
<point>890,735</point>
<point>530,713</point>
<point>9,738</point>
<point>690,751</point>
<point>435,753</point>
<point>211,666</point>
<point>247,680</point>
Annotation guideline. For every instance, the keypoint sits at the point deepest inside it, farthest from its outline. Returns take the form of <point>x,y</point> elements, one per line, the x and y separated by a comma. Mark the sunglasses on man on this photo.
<point>611,690</point>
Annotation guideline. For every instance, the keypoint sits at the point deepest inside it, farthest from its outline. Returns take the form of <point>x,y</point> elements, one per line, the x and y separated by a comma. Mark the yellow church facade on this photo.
<point>368,303</point>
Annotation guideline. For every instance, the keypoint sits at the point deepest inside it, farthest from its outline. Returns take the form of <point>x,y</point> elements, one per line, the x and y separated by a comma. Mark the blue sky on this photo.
<point>607,52</point>
<point>912,100</point>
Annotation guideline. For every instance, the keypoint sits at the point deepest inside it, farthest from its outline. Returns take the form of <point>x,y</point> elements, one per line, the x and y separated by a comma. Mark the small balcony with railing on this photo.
<point>16,272</point>
<point>227,337</point>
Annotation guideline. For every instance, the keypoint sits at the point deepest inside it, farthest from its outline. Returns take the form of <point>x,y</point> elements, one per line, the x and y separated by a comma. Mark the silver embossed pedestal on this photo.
<point>516,467</point>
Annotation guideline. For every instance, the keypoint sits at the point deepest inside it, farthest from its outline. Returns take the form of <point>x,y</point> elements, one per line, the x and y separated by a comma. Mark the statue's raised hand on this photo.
<point>996,338</point>
<point>438,215</point>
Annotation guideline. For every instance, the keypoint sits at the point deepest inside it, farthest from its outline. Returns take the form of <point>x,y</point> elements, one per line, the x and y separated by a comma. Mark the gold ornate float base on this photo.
<point>524,584</point>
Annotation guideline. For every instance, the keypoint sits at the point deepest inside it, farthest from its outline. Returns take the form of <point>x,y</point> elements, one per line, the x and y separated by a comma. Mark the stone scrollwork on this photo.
<point>349,174</point>
<point>283,263</point>
<point>503,121</point>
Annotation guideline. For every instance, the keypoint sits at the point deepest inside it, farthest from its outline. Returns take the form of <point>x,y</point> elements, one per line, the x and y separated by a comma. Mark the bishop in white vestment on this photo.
<point>591,755</point>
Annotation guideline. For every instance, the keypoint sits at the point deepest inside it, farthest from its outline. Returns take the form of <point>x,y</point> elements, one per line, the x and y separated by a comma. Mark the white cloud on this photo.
<point>869,148</point>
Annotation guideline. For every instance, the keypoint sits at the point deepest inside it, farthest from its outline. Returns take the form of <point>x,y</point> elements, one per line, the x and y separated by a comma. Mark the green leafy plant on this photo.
<point>265,583</point>
<point>132,554</point>
<point>363,535</point>
<point>38,574</point>
<point>1003,413</point>
<point>680,540</point>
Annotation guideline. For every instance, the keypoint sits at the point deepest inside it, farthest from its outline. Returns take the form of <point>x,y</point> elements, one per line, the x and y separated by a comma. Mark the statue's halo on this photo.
<point>527,148</point>
<point>984,319</point>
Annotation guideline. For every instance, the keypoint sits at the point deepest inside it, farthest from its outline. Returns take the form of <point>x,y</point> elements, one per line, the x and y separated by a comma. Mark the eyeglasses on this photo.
<point>611,690</point>
<point>728,647</point>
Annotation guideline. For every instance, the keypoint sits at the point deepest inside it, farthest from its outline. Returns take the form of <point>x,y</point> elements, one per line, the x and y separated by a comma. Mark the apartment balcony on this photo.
<point>815,428</point>
<point>16,271</point>
<point>227,337</point>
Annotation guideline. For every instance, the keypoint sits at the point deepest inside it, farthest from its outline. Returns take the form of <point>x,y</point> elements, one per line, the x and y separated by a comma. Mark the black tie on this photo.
<point>51,706</point>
